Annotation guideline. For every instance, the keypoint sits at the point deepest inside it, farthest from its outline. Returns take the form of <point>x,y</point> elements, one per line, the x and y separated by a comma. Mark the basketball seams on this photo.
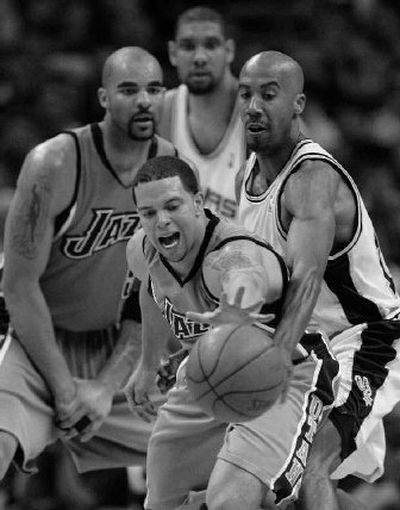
<point>217,353</point>
<point>214,386</point>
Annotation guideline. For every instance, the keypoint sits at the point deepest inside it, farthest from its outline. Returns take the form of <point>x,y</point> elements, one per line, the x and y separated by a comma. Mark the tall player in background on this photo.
<point>65,280</point>
<point>200,116</point>
<point>296,196</point>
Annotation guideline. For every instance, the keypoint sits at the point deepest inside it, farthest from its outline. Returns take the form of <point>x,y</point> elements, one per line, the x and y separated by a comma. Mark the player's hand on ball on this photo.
<point>232,312</point>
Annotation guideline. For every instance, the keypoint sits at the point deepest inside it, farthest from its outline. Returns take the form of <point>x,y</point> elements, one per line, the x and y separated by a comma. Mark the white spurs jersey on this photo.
<point>217,169</point>
<point>357,285</point>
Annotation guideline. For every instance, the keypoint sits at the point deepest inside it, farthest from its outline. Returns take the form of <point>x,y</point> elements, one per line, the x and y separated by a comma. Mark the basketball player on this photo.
<point>67,358</point>
<point>191,261</point>
<point>297,197</point>
<point>200,116</point>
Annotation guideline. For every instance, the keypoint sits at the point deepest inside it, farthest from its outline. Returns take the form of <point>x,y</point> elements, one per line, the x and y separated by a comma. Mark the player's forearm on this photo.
<point>31,320</point>
<point>124,358</point>
<point>302,294</point>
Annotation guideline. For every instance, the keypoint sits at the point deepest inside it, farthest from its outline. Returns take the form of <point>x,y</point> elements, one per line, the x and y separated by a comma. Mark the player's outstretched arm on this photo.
<point>309,198</point>
<point>44,189</point>
<point>245,276</point>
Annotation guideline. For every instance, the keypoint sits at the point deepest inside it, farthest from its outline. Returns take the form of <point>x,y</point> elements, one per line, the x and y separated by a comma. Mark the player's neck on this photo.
<point>272,160</point>
<point>219,101</point>
<point>124,154</point>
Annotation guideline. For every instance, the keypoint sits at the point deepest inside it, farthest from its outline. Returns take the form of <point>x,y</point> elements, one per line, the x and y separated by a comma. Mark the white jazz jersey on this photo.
<point>357,285</point>
<point>217,169</point>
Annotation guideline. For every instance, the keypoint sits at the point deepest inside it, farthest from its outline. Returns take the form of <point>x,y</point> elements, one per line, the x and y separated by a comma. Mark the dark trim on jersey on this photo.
<point>213,222</point>
<point>99,144</point>
<point>317,156</point>
<point>321,398</point>
<point>260,197</point>
<point>385,269</point>
<point>63,216</point>
<point>357,308</point>
<point>370,369</point>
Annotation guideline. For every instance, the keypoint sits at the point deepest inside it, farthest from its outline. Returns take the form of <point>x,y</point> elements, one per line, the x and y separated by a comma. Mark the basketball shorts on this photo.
<point>27,413</point>
<point>369,358</point>
<point>186,442</point>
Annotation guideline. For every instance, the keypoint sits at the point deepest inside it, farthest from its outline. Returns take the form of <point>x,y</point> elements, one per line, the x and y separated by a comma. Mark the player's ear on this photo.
<point>299,104</point>
<point>199,202</point>
<point>102,96</point>
<point>172,52</point>
<point>230,50</point>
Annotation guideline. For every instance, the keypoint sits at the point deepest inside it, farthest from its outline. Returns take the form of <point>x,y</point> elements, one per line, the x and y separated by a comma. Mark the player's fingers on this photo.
<point>90,431</point>
<point>199,317</point>
<point>263,317</point>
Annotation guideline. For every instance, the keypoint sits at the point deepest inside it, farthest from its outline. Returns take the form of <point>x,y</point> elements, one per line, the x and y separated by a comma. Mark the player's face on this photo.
<point>266,103</point>
<point>133,99</point>
<point>168,214</point>
<point>201,55</point>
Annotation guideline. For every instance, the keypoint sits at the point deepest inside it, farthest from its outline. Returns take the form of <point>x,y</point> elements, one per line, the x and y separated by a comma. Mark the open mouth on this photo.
<point>169,241</point>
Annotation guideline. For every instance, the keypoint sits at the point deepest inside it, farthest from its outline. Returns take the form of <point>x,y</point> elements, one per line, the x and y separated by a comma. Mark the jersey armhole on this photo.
<point>64,217</point>
<point>135,255</point>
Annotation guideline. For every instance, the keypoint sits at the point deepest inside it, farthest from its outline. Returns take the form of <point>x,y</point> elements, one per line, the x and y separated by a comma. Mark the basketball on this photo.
<point>235,372</point>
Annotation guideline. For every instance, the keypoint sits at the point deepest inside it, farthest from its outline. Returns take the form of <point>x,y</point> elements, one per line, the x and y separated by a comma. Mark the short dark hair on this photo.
<point>201,13</point>
<point>163,167</point>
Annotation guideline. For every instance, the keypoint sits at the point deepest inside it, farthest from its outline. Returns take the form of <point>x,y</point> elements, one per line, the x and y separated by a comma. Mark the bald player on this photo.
<point>296,196</point>
<point>68,355</point>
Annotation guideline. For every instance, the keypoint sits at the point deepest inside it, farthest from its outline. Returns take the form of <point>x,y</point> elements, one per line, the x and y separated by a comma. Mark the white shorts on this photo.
<point>369,357</point>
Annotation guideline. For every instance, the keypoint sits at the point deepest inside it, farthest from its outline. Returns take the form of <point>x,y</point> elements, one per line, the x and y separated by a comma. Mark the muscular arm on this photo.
<point>44,189</point>
<point>309,198</point>
<point>248,265</point>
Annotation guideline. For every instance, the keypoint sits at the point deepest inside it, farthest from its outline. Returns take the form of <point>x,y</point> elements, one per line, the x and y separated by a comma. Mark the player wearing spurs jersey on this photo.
<point>201,116</point>
<point>296,196</point>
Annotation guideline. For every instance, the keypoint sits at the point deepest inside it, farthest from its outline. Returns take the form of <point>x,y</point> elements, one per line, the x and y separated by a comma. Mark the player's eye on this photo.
<point>154,90</point>
<point>186,45</point>
<point>244,94</point>
<point>212,44</point>
<point>129,91</point>
<point>147,214</point>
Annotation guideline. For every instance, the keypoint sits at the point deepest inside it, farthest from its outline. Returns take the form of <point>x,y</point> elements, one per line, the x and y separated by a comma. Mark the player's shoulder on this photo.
<point>54,155</point>
<point>165,147</point>
<point>135,254</point>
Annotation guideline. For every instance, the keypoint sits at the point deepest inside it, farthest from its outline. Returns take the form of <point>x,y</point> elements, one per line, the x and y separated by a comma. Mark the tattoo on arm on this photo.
<point>30,220</point>
<point>233,261</point>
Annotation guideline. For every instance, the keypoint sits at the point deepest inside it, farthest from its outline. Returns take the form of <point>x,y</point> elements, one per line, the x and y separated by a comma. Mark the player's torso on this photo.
<point>217,169</point>
<point>87,268</point>
<point>357,285</point>
<point>175,297</point>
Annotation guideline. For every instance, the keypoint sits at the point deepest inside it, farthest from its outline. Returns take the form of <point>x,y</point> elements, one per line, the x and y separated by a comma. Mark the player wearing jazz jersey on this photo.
<point>297,197</point>
<point>68,356</point>
<point>201,115</point>
<point>187,260</point>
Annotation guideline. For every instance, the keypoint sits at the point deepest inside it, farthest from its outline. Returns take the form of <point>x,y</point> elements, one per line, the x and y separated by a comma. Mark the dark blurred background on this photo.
<point>52,51</point>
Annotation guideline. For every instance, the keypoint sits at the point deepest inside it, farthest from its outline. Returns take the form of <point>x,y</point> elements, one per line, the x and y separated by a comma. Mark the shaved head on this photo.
<point>286,68</point>
<point>126,58</point>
